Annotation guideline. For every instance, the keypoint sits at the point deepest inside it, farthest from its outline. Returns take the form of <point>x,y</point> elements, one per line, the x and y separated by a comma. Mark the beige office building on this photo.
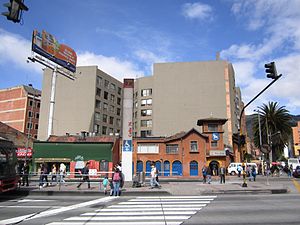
<point>178,94</point>
<point>91,103</point>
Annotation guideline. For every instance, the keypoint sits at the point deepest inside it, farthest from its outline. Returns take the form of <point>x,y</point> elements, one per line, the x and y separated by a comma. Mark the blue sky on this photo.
<point>125,37</point>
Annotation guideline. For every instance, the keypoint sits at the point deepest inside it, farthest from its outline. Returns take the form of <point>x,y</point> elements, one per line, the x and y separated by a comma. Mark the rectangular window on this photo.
<point>146,112</point>
<point>104,130</point>
<point>96,128</point>
<point>146,123</point>
<point>31,103</point>
<point>214,144</point>
<point>172,149</point>
<point>99,81</point>
<point>146,102</point>
<point>111,120</point>
<point>106,84</point>
<point>118,111</point>
<point>98,92</point>
<point>194,146</point>
<point>98,104</point>
<point>142,148</point>
<point>36,126</point>
<point>97,116</point>
<point>112,86</point>
<point>213,127</point>
<point>146,133</point>
<point>118,122</point>
<point>37,115</point>
<point>38,104</point>
<point>104,118</point>
<point>119,101</point>
<point>29,126</point>
<point>111,108</point>
<point>112,98</point>
<point>105,107</point>
<point>146,92</point>
<point>111,131</point>
<point>119,90</point>
<point>105,95</point>
<point>30,114</point>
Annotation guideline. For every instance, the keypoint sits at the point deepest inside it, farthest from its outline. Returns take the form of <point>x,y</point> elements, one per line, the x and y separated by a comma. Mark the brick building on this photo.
<point>20,108</point>
<point>185,153</point>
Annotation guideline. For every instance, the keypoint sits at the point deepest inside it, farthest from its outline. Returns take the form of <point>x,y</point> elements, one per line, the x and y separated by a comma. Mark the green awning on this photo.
<point>89,151</point>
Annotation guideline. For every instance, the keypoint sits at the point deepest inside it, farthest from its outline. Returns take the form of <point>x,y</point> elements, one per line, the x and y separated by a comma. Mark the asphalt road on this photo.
<point>152,210</point>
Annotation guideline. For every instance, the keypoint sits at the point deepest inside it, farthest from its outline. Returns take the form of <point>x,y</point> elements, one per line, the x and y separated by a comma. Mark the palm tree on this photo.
<point>275,127</point>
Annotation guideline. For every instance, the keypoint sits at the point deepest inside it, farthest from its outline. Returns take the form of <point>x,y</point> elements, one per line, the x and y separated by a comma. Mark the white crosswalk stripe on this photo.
<point>167,210</point>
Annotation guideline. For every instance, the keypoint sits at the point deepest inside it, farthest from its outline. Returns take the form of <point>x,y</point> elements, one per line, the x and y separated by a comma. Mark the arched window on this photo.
<point>148,168</point>
<point>139,166</point>
<point>177,168</point>
<point>166,168</point>
<point>193,168</point>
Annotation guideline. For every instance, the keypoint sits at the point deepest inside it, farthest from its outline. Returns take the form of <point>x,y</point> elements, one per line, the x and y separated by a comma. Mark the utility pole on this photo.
<point>271,73</point>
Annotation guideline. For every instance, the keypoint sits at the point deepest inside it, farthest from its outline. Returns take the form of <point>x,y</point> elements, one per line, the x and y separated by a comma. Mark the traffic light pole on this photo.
<point>240,128</point>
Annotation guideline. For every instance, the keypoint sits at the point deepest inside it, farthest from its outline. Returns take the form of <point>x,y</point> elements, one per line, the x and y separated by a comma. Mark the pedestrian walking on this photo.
<point>153,181</point>
<point>25,175</point>
<point>204,173</point>
<point>209,173</point>
<point>20,172</point>
<point>85,176</point>
<point>253,171</point>
<point>53,174</point>
<point>62,171</point>
<point>222,173</point>
<point>105,184</point>
<point>43,176</point>
<point>239,169</point>
<point>117,176</point>
<point>290,171</point>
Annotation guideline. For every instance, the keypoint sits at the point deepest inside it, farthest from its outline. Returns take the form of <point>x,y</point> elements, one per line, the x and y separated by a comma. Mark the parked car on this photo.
<point>296,172</point>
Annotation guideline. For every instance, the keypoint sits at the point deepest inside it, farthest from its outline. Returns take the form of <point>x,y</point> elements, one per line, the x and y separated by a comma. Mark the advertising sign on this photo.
<point>47,46</point>
<point>21,152</point>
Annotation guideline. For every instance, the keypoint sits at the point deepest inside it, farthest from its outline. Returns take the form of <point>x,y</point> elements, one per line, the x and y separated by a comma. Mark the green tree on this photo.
<point>276,128</point>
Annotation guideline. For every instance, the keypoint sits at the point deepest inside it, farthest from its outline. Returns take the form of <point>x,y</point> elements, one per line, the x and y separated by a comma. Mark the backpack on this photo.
<point>116,176</point>
<point>105,182</point>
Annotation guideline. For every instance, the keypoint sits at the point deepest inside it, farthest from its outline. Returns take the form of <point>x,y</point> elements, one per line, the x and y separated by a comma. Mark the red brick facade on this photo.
<point>15,106</point>
<point>190,151</point>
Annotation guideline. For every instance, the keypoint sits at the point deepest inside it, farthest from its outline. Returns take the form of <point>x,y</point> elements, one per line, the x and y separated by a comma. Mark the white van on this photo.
<point>294,162</point>
<point>232,168</point>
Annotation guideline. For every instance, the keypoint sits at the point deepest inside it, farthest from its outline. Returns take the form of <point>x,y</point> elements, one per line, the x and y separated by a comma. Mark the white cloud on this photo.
<point>197,11</point>
<point>113,66</point>
<point>14,50</point>
<point>278,22</point>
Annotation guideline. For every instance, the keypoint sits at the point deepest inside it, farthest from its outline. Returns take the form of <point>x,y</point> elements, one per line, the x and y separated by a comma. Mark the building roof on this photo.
<point>31,90</point>
<point>211,119</point>
<point>183,134</point>
<point>79,138</point>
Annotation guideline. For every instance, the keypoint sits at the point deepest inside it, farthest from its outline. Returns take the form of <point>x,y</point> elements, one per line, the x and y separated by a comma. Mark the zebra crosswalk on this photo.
<point>166,210</point>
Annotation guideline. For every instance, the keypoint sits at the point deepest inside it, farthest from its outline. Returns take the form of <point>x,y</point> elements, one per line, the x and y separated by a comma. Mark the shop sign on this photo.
<point>79,162</point>
<point>217,153</point>
<point>21,152</point>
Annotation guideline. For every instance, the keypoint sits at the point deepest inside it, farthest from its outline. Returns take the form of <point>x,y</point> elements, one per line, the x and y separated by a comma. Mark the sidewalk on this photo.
<point>233,185</point>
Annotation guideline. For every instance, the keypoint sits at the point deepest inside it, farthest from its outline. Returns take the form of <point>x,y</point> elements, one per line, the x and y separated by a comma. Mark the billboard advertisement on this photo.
<point>47,46</point>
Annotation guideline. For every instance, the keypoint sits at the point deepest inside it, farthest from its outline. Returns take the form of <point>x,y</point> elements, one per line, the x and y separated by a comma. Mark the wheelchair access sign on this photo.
<point>127,146</point>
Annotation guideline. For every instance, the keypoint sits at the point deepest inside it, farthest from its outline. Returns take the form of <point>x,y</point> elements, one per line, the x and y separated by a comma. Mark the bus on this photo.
<point>8,162</point>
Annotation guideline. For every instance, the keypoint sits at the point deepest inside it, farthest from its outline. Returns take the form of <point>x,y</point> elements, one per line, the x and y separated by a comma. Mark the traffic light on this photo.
<point>271,70</point>
<point>14,10</point>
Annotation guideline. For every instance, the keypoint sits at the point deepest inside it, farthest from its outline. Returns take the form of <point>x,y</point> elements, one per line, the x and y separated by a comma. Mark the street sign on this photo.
<point>127,146</point>
<point>215,136</point>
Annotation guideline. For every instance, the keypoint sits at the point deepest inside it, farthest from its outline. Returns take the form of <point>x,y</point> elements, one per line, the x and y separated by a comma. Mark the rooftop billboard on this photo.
<point>47,46</point>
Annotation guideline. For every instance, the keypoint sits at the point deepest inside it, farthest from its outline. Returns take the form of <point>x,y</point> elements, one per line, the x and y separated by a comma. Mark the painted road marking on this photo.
<point>297,185</point>
<point>55,211</point>
<point>173,210</point>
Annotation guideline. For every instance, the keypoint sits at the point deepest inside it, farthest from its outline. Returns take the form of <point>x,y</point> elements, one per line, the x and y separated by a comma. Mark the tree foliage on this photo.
<point>275,122</point>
